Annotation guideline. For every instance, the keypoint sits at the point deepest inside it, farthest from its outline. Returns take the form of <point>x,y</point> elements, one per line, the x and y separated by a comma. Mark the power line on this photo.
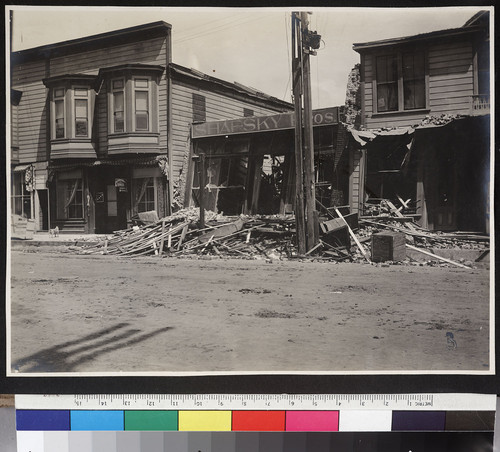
<point>232,24</point>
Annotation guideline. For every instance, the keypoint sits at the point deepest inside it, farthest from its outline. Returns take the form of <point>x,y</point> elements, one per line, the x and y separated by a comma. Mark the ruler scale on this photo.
<point>228,422</point>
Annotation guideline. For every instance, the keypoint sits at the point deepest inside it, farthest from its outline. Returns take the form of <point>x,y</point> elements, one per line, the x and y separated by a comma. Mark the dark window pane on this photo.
<point>81,129</point>
<point>387,83</point>
<point>387,97</point>
<point>414,80</point>
<point>199,108</point>
<point>141,121</point>
<point>414,94</point>
<point>118,111</point>
<point>60,128</point>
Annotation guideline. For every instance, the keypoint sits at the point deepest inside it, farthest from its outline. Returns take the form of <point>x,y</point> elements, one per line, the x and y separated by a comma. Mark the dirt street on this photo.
<point>73,313</point>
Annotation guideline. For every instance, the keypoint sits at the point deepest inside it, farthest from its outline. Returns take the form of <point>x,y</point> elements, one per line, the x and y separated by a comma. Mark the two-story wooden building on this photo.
<point>100,127</point>
<point>425,105</point>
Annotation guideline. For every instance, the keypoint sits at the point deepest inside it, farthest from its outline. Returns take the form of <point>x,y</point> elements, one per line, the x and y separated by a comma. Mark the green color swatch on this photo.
<point>151,420</point>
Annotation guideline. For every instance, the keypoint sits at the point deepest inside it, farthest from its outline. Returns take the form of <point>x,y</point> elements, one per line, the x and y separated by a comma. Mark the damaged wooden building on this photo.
<point>250,163</point>
<point>99,127</point>
<point>425,126</point>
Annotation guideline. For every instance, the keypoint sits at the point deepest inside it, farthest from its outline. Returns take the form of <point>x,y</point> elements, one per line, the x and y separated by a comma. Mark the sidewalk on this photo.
<point>45,239</point>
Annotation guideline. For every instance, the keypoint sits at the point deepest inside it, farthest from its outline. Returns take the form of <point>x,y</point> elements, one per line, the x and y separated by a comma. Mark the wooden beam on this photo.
<point>337,211</point>
<point>428,253</point>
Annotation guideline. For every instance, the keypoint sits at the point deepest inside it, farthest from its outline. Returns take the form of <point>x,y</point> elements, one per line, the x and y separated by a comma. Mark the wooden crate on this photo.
<point>388,246</point>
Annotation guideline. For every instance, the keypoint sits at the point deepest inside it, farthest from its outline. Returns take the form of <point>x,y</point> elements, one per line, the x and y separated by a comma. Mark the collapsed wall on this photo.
<point>353,98</point>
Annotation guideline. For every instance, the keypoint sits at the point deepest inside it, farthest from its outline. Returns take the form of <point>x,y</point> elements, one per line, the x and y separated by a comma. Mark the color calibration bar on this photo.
<point>253,421</point>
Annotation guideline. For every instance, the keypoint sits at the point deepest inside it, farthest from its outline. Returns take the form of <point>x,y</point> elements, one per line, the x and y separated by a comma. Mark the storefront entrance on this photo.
<point>109,187</point>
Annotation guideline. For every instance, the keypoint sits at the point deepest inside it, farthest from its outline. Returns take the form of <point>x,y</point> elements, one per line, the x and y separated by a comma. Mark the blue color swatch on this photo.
<point>46,420</point>
<point>97,420</point>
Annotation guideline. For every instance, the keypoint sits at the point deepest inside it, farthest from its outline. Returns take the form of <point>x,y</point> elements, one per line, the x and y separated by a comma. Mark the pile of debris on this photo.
<point>343,236</point>
<point>180,234</point>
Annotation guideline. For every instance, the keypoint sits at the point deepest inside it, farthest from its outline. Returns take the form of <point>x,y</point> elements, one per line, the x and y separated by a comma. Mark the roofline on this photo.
<point>81,44</point>
<point>359,47</point>
<point>178,70</point>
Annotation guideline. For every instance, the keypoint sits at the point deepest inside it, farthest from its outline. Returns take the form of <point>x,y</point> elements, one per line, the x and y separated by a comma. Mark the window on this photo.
<point>143,193</point>
<point>199,108</point>
<point>247,112</point>
<point>141,91</point>
<point>69,195</point>
<point>81,112</point>
<point>118,106</point>
<point>20,197</point>
<point>59,112</point>
<point>387,83</point>
<point>400,82</point>
<point>413,80</point>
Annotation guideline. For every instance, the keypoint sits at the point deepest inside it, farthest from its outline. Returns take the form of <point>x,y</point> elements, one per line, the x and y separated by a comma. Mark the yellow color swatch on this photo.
<point>196,421</point>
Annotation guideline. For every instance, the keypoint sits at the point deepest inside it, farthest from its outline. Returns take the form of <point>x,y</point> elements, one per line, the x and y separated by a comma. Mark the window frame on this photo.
<point>65,179</point>
<point>136,182</point>
<point>74,119</point>
<point>398,53</point>
<point>112,104</point>
<point>62,100</point>
<point>23,196</point>
<point>199,105</point>
<point>147,90</point>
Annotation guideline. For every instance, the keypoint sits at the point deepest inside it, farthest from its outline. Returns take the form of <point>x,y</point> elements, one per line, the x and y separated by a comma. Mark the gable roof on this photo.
<point>475,24</point>
<point>121,36</point>
<point>183,73</point>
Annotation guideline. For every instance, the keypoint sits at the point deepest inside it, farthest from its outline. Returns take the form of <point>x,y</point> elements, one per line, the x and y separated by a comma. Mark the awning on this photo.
<point>20,168</point>
<point>160,160</point>
<point>363,137</point>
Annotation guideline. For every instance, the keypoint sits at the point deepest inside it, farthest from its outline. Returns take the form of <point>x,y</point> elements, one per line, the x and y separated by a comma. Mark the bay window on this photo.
<point>133,107</point>
<point>72,99</point>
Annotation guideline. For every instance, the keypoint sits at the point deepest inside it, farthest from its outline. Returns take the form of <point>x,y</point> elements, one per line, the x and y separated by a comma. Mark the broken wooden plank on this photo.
<point>428,253</point>
<point>223,230</point>
<point>332,225</point>
<point>365,255</point>
<point>398,213</point>
<point>162,238</point>
<point>314,248</point>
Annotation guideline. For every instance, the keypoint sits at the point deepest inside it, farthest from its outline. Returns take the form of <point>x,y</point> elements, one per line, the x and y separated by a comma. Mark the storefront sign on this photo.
<point>322,117</point>
<point>121,184</point>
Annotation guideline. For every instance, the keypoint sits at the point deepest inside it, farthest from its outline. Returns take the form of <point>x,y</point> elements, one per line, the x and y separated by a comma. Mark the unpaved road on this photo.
<point>74,313</point>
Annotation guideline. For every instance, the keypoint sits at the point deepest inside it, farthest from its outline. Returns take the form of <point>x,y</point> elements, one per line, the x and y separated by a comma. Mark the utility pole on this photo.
<point>303,43</point>
<point>297,97</point>
<point>308,143</point>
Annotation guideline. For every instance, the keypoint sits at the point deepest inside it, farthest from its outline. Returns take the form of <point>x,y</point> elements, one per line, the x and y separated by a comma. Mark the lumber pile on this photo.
<point>343,237</point>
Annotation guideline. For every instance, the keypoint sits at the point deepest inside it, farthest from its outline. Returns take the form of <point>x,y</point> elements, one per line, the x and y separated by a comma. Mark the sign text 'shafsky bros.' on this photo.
<point>322,117</point>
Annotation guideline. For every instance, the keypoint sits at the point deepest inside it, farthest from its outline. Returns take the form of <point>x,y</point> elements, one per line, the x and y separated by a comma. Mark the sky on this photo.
<point>250,46</point>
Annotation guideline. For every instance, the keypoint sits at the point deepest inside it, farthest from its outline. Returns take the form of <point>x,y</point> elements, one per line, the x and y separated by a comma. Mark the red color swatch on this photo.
<point>259,421</point>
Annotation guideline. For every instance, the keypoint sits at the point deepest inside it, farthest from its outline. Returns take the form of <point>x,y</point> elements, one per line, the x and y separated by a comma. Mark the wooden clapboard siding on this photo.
<point>32,114</point>
<point>102,121</point>
<point>450,85</point>
<point>14,126</point>
<point>218,107</point>
<point>151,51</point>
